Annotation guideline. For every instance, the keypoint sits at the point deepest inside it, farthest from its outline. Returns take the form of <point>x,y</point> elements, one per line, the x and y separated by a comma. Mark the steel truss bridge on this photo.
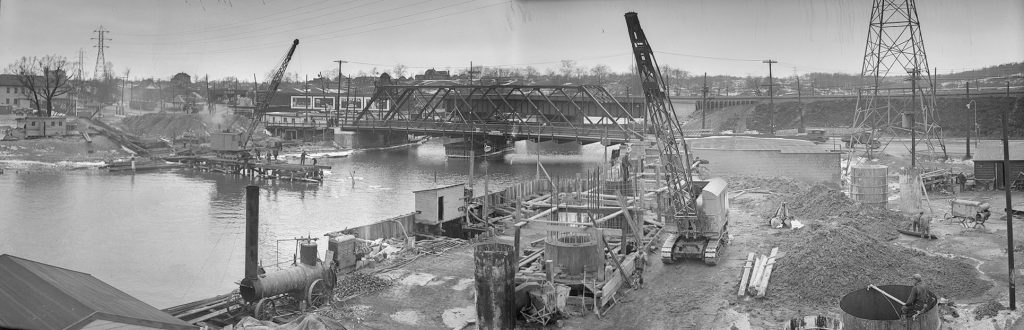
<point>583,113</point>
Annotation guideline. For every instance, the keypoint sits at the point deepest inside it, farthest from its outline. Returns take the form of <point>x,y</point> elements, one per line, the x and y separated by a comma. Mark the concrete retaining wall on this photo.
<point>809,167</point>
<point>359,140</point>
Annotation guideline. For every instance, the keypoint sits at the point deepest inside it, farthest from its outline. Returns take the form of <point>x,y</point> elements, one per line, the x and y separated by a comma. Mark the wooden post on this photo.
<point>519,227</point>
<point>549,270</point>
<point>746,274</point>
<point>495,286</point>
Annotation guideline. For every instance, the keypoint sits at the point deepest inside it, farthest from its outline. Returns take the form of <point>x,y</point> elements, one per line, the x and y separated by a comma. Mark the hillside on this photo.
<point>952,114</point>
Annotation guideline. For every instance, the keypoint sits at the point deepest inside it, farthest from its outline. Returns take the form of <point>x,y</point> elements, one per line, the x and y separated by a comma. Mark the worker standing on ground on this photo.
<point>961,180</point>
<point>638,268</point>
<point>918,299</point>
<point>926,225</point>
<point>916,226</point>
<point>302,158</point>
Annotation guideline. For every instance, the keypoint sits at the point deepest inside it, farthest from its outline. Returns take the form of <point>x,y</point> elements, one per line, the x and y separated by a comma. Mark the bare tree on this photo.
<point>567,69</point>
<point>600,72</point>
<point>46,79</point>
<point>399,70</point>
<point>531,72</point>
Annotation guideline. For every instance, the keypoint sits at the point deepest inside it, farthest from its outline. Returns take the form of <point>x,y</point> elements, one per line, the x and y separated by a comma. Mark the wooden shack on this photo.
<point>43,126</point>
<point>988,166</point>
<point>440,204</point>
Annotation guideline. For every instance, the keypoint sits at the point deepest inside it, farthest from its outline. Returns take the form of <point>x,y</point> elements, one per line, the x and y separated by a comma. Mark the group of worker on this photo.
<point>922,225</point>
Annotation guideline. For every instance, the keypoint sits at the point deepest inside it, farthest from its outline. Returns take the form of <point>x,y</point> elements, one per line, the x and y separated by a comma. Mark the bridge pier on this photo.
<point>481,145</point>
<point>374,139</point>
<point>553,147</point>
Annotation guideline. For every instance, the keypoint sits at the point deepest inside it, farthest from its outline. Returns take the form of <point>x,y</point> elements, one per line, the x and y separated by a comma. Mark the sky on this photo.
<point>221,38</point>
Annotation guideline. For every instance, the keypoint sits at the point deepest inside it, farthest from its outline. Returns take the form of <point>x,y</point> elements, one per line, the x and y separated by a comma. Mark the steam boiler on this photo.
<point>309,279</point>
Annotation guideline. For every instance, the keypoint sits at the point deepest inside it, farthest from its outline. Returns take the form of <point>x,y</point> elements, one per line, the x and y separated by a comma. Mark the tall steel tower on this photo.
<point>100,72</point>
<point>895,47</point>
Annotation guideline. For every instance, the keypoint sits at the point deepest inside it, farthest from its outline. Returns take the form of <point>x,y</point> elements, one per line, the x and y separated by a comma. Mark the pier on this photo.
<point>266,169</point>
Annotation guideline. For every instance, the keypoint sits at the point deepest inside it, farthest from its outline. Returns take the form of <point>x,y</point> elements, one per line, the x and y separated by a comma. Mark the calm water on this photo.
<point>176,236</point>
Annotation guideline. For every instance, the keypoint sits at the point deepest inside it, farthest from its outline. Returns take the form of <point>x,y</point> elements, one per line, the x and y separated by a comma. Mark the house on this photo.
<point>432,74</point>
<point>12,93</point>
<point>43,126</point>
<point>988,165</point>
<point>35,295</point>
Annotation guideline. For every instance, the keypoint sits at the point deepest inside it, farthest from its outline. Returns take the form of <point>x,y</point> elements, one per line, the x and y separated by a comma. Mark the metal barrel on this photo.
<point>865,309</point>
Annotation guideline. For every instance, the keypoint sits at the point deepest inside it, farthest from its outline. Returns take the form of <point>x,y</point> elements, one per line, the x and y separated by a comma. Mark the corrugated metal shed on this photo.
<point>34,295</point>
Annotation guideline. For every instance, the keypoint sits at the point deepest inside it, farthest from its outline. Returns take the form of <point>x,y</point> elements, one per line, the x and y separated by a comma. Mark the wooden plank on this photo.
<point>616,280</point>
<point>564,227</point>
<point>745,277</point>
<point>763,285</point>
<point>637,232</point>
<point>615,261</point>
<point>756,276</point>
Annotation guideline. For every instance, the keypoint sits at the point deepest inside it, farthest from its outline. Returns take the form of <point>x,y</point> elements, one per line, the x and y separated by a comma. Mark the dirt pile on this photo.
<point>773,184</point>
<point>829,205</point>
<point>169,125</point>
<point>359,284</point>
<point>828,261</point>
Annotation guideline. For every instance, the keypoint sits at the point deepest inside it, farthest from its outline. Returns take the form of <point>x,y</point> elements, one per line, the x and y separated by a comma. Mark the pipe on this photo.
<point>252,221</point>
<point>872,286</point>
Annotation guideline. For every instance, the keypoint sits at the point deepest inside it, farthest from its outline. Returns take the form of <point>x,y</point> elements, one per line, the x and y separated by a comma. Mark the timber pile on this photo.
<point>756,274</point>
<point>439,245</point>
<point>827,261</point>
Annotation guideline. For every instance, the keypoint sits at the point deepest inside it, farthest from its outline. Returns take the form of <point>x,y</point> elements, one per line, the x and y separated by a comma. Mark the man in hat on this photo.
<point>639,266</point>
<point>918,299</point>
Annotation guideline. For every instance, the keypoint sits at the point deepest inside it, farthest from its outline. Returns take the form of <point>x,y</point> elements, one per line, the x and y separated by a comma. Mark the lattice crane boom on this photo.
<point>261,104</point>
<point>665,124</point>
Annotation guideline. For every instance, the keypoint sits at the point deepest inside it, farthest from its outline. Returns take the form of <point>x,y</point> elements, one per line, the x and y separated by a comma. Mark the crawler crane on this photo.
<point>698,209</point>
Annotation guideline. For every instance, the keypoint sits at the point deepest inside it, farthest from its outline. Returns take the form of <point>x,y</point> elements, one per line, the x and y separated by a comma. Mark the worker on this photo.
<point>926,225</point>
<point>314,161</point>
<point>961,180</point>
<point>918,299</point>
<point>916,226</point>
<point>302,158</point>
<point>638,269</point>
<point>257,152</point>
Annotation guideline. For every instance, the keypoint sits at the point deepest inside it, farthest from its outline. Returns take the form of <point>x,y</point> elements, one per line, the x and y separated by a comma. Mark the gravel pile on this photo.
<point>827,261</point>
<point>359,284</point>
<point>988,309</point>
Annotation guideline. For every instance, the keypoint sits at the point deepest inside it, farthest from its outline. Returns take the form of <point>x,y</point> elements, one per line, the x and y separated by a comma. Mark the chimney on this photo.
<point>252,235</point>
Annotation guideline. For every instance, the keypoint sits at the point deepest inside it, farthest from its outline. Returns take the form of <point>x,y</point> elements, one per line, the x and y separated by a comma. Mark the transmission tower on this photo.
<point>100,72</point>
<point>895,46</point>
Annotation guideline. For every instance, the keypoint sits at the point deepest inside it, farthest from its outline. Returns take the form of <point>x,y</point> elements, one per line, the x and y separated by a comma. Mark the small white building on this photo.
<point>43,126</point>
<point>441,204</point>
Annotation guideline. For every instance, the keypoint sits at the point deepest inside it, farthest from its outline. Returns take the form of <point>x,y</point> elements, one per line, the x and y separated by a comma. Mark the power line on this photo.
<point>247,21</point>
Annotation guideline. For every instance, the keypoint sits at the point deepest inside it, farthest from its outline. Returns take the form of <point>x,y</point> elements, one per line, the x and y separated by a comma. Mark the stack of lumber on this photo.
<point>756,273</point>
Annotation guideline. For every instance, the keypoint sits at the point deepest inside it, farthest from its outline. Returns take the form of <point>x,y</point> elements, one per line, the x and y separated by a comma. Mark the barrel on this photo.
<point>307,253</point>
<point>865,309</point>
<point>868,184</point>
<point>495,286</point>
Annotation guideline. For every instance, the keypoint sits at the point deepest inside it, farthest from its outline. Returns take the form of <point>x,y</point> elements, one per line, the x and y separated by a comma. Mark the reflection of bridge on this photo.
<point>501,113</point>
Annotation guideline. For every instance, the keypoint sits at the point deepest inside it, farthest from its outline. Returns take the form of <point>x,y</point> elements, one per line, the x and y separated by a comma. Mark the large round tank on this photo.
<point>294,279</point>
<point>573,252</point>
<point>870,310</point>
<point>868,184</point>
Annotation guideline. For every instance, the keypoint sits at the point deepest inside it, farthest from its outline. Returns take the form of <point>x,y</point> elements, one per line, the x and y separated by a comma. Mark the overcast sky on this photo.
<point>157,38</point>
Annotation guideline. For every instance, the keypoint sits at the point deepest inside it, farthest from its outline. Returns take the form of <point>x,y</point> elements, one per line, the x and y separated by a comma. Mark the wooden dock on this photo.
<point>277,170</point>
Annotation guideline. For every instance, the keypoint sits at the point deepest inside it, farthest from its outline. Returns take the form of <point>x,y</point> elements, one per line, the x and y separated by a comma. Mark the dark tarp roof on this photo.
<point>34,295</point>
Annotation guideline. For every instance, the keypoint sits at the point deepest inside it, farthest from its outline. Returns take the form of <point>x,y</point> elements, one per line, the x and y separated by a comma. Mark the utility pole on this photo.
<point>123,84</point>
<point>771,95</point>
<point>704,103</point>
<point>471,72</point>
<point>209,102</point>
<point>337,106</point>
<point>1009,209</point>
<point>800,101</point>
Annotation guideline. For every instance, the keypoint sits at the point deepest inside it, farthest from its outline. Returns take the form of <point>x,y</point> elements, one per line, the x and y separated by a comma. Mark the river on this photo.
<point>175,236</point>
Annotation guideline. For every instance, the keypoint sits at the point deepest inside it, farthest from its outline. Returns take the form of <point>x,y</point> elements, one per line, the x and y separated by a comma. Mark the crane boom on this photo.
<point>261,104</point>
<point>665,124</point>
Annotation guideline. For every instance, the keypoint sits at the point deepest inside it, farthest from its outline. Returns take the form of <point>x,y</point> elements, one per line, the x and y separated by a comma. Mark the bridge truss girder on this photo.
<point>538,105</point>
